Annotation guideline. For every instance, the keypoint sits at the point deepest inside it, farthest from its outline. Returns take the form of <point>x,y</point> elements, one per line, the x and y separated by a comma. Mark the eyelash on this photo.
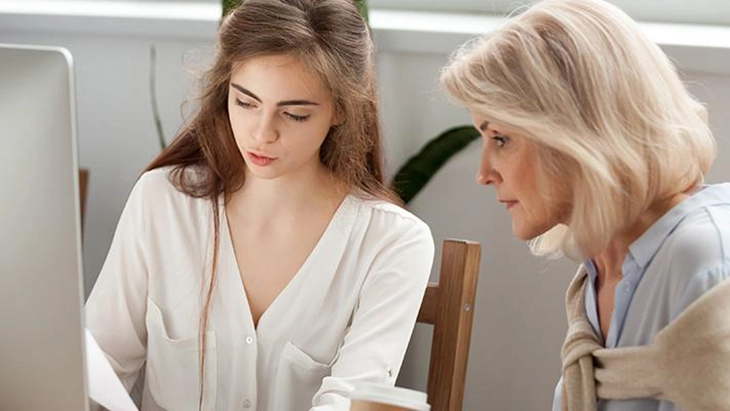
<point>298,119</point>
<point>243,104</point>
<point>500,140</point>
<point>293,117</point>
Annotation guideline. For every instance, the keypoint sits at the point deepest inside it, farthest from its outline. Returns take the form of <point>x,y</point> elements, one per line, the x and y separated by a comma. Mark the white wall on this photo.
<point>519,319</point>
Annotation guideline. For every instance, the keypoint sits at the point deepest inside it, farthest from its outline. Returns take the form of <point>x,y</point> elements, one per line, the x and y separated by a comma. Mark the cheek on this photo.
<point>232,109</point>
<point>525,187</point>
<point>315,131</point>
<point>524,179</point>
<point>239,134</point>
<point>542,216</point>
<point>238,122</point>
<point>232,115</point>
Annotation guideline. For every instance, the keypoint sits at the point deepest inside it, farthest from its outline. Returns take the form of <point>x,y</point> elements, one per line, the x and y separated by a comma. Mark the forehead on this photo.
<point>484,123</point>
<point>279,77</point>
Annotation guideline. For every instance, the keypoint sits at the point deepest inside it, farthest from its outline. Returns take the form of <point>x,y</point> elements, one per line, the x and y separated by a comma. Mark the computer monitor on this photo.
<point>41,323</point>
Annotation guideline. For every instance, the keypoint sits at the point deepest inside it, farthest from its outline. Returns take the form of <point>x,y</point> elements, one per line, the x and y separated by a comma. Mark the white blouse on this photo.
<point>346,316</point>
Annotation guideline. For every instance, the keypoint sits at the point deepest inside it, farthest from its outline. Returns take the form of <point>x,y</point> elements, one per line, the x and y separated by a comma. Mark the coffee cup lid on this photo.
<point>386,394</point>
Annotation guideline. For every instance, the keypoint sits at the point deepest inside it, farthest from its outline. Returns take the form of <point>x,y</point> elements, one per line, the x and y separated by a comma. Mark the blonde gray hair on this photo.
<point>615,129</point>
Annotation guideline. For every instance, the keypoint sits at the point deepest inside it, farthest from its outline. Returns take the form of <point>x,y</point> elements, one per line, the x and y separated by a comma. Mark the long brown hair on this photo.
<point>328,35</point>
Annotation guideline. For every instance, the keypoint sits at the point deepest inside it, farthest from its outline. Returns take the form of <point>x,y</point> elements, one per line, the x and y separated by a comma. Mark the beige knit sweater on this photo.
<point>688,362</point>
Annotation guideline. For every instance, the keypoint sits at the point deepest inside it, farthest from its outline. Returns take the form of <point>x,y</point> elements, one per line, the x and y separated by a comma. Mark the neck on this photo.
<point>290,195</point>
<point>609,261</point>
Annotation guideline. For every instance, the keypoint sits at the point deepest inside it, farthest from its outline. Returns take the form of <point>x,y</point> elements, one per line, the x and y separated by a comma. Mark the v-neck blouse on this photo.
<point>331,238</point>
<point>346,316</point>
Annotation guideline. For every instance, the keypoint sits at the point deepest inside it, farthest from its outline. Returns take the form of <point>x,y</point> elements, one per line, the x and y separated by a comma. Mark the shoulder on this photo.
<point>158,184</point>
<point>705,231</point>
<point>697,255</point>
<point>157,178</point>
<point>157,199</point>
<point>390,220</point>
<point>701,240</point>
<point>396,246</point>
<point>388,234</point>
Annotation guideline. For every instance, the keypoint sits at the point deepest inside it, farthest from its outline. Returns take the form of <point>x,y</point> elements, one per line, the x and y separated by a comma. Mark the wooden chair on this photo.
<point>83,186</point>
<point>449,306</point>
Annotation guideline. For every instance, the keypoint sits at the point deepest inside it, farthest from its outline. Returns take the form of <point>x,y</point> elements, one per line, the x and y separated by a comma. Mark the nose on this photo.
<point>265,131</point>
<point>486,174</point>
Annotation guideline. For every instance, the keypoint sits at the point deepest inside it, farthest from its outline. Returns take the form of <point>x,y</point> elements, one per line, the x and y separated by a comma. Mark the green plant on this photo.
<point>364,10</point>
<point>229,4</point>
<point>421,167</point>
<point>153,96</point>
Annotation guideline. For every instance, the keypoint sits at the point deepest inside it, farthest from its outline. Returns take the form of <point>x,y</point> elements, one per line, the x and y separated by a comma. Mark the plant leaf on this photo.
<point>153,96</point>
<point>229,5</point>
<point>419,169</point>
<point>364,11</point>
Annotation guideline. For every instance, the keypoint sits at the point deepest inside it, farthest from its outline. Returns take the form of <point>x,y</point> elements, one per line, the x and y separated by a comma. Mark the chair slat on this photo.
<point>449,306</point>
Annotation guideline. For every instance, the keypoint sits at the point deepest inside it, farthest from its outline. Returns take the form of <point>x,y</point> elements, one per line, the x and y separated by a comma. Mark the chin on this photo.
<point>523,237</point>
<point>262,174</point>
<point>525,233</point>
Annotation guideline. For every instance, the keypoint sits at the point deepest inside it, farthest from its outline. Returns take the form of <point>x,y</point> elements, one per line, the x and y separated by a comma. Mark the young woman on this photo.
<point>260,263</point>
<point>598,151</point>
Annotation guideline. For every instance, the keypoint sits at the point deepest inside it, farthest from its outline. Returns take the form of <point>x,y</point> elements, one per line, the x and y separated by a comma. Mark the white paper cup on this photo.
<point>378,397</point>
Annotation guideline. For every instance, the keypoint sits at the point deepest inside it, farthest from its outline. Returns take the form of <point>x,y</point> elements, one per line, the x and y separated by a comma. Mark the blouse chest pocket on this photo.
<point>298,378</point>
<point>173,366</point>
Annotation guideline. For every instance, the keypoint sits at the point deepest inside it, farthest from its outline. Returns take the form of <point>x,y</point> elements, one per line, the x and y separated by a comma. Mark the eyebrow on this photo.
<point>279,104</point>
<point>483,127</point>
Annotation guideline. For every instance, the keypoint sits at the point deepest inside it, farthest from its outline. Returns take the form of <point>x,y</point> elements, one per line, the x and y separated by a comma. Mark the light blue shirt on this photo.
<point>681,256</point>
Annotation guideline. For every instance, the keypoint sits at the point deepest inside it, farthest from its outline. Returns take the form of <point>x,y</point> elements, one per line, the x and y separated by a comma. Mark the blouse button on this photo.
<point>247,402</point>
<point>249,340</point>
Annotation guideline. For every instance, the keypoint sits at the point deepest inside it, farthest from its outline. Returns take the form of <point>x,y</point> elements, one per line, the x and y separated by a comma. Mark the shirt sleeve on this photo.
<point>390,298</point>
<point>558,396</point>
<point>115,310</point>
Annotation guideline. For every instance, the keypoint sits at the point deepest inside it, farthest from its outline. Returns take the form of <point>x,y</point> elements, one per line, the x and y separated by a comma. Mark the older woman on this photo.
<point>598,152</point>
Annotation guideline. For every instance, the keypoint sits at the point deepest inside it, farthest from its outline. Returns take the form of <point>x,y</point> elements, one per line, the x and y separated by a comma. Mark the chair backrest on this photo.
<point>449,306</point>
<point>83,186</point>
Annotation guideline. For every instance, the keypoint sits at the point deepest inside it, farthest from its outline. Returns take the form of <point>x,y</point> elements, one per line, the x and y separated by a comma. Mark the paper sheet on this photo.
<point>104,386</point>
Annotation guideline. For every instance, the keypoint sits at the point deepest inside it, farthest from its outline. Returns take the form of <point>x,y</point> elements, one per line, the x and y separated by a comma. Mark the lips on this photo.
<point>509,203</point>
<point>259,159</point>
